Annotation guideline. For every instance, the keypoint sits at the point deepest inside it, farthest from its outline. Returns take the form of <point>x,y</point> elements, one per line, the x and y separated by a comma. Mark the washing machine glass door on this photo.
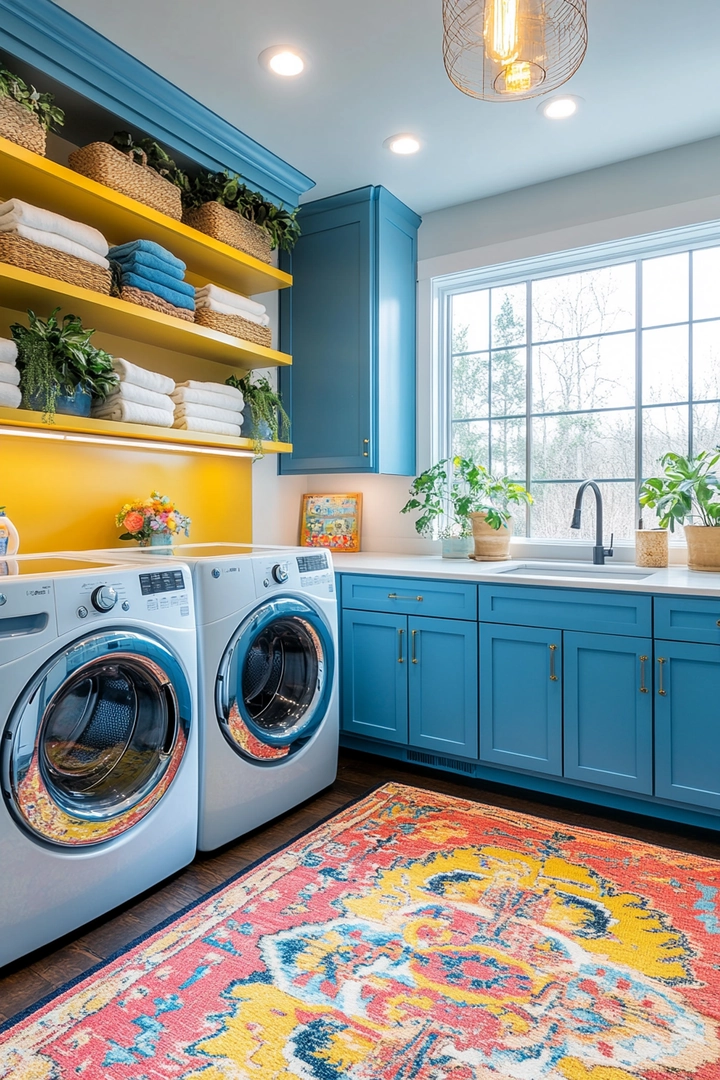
<point>96,738</point>
<point>275,679</point>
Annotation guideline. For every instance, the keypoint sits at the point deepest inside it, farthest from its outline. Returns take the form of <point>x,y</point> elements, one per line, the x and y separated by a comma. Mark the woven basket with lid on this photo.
<point>102,162</point>
<point>217,221</point>
<point>21,126</point>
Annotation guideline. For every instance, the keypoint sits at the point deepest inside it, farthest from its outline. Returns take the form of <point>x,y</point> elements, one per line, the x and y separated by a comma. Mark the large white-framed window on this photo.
<point>587,364</point>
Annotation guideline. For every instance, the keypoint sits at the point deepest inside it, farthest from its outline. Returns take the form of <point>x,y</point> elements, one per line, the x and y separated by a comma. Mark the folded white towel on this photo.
<point>10,396</point>
<point>130,412</point>
<point>46,221</point>
<point>52,240</point>
<point>207,412</point>
<point>9,374</point>
<point>183,395</point>
<point>151,380</point>
<point>235,300</point>
<point>212,427</point>
<point>211,387</point>
<point>8,351</point>
<point>209,304</point>
<point>126,391</point>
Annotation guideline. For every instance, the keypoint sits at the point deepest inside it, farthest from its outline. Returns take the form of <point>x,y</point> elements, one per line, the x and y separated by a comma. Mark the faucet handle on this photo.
<point>609,551</point>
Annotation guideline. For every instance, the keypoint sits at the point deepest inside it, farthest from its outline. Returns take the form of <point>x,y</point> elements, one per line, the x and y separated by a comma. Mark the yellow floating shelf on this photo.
<point>27,176</point>
<point>22,289</point>
<point>88,428</point>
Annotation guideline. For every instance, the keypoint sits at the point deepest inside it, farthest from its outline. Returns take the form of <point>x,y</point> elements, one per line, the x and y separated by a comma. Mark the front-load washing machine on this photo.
<point>267,673</point>
<point>99,739</point>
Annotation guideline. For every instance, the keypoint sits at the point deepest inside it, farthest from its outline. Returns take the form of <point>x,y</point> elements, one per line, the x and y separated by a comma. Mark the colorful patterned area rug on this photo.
<point>413,936</point>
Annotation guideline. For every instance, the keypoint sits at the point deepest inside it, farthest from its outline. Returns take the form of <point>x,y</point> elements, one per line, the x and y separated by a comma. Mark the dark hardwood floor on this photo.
<point>26,982</point>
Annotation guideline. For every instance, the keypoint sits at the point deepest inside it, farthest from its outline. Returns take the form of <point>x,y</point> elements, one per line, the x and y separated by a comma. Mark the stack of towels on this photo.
<point>141,397</point>
<point>54,231</point>
<point>224,302</point>
<point>207,406</point>
<point>150,268</point>
<point>10,395</point>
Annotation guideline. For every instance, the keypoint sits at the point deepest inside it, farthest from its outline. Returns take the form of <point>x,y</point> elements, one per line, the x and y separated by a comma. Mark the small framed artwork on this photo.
<point>331,521</point>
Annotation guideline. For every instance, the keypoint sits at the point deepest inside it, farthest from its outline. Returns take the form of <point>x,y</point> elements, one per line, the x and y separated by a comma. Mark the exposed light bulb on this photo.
<point>286,63</point>
<point>502,31</point>
<point>518,77</point>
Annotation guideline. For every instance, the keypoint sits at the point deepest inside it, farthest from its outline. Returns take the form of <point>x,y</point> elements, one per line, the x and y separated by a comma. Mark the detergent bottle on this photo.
<point>9,539</point>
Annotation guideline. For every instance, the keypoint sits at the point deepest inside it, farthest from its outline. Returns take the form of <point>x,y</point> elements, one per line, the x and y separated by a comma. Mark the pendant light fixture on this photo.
<point>507,50</point>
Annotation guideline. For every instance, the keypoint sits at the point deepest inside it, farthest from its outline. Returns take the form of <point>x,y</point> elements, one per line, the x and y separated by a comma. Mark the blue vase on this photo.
<point>249,428</point>
<point>77,404</point>
<point>161,539</point>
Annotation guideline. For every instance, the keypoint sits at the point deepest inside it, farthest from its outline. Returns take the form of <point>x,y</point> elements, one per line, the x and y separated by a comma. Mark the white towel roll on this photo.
<point>47,221</point>
<point>234,300</point>
<point>8,351</point>
<point>126,391</point>
<point>211,427</point>
<point>52,240</point>
<point>10,396</point>
<point>151,380</point>
<point>207,303</point>
<point>211,387</point>
<point>9,374</point>
<point>129,412</point>
<point>207,412</point>
<point>183,395</point>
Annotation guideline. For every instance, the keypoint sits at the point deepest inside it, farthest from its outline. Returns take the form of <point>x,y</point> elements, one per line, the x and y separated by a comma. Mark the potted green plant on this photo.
<point>60,369</point>
<point>26,115</point>
<point>264,414</point>
<point>689,488</point>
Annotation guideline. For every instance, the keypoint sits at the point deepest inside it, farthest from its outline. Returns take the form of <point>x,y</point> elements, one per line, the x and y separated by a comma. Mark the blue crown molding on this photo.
<point>50,39</point>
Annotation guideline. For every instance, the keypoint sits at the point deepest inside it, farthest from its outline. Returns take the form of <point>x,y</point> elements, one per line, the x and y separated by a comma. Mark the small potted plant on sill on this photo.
<point>26,115</point>
<point>152,522</point>
<point>264,416</point>
<point>60,369</point>
<point>688,490</point>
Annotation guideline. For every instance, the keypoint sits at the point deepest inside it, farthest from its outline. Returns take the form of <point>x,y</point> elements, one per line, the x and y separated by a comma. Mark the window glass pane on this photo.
<point>470,440</point>
<point>663,430</point>
<point>471,321</point>
<point>508,382</point>
<point>584,446</point>
<point>508,307</point>
<point>589,374</point>
<point>706,427</point>
<point>551,513</point>
<point>508,448</point>
<point>665,290</point>
<point>665,364</point>
<point>470,375</point>
<point>706,282</point>
<point>706,360</point>
<point>591,302</point>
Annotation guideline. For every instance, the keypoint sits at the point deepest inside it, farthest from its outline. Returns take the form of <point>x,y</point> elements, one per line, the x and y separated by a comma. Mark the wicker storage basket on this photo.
<point>28,255</point>
<point>234,325</point>
<point>155,303</point>
<point>21,126</point>
<point>222,224</point>
<point>102,162</point>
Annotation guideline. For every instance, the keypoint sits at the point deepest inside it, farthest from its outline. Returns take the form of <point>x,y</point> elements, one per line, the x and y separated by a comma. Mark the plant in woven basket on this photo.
<point>157,157</point>
<point>42,105</point>
<point>280,224</point>
<point>57,358</point>
<point>265,407</point>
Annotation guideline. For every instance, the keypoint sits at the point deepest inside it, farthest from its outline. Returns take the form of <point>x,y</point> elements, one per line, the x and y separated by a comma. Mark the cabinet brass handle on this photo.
<point>366,445</point>
<point>661,661</point>
<point>643,687</point>
<point>401,658</point>
<point>553,676</point>
<point>413,646</point>
<point>394,596</point>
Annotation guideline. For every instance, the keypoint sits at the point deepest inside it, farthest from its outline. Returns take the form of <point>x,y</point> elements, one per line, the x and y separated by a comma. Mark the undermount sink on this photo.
<point>577,570</point>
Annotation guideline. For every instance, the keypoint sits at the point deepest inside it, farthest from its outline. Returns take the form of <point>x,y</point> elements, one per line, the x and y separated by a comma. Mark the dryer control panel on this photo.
<point>157,595</point>
<point>280,570</point>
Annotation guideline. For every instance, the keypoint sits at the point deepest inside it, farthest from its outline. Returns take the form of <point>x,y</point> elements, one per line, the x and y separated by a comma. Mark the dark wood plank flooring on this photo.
<point>26,982</point>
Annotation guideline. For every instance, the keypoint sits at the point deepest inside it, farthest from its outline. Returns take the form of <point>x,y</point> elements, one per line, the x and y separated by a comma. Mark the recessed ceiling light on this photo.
<point>402,144</point>
<point>560,108</point>
<point>283,60</point>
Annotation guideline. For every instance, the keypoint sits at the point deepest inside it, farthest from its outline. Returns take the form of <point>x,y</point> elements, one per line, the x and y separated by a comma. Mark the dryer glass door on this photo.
<point>96,738</point>
<point>275,680</point>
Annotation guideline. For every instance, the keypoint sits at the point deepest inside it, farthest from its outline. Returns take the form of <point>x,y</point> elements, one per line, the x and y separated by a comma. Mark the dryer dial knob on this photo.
<point>104,598</point>
<point>279,573</point>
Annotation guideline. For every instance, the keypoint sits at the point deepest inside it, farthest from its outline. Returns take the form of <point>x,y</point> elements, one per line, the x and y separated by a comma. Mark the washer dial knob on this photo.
<point>104,598</point>
<point>280,573</point>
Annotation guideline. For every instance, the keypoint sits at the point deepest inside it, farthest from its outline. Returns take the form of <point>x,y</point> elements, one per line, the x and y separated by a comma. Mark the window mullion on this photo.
<point>691,341</point>
<point>528,401</point>
<point>638,385</point>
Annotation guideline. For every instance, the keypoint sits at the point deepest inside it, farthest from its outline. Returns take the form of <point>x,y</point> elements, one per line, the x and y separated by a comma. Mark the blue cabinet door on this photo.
<point>687,722</point>
<point>521,697</point>
<point>374,675</point>
<point>443,685</point>
<point>608,732</point>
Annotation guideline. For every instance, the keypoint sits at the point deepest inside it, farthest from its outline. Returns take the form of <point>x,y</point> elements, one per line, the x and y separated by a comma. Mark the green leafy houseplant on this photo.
<point>47,113</point>
<point>228,190</point>
<point>57,358</point>
<point>265,407</point>
<point>689,488</point>
<point>157,157</point>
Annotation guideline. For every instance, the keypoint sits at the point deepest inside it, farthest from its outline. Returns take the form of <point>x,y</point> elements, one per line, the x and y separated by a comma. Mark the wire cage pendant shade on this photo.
<point>507,50</point>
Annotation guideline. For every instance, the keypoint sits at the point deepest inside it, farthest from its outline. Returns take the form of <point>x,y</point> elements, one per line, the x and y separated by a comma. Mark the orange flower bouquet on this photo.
<point>156,520</point>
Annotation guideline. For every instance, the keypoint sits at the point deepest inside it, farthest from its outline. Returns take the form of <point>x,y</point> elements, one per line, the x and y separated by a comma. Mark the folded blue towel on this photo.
<point>159,277</point>
<point>148,246</point>
<point>147,261</point>
<point>172,296</point>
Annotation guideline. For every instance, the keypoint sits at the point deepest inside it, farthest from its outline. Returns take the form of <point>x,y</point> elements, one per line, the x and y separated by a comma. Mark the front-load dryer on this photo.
<point>99,739</point>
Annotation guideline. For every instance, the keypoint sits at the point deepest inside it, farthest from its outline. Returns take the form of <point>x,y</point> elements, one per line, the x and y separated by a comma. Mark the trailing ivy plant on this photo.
<point>265,406</point>
<point>42,105</point>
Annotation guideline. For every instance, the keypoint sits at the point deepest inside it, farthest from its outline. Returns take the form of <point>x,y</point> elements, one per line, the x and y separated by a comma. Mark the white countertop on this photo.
<point>673,579</point>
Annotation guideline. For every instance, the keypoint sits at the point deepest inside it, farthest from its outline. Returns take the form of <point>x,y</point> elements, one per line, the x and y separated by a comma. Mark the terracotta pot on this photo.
<point>491,545</point>
<point>703,543</point>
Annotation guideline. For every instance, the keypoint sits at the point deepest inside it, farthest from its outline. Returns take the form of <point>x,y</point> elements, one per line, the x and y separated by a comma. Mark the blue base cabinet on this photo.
<point>374,675</point>
<point>443,681</point>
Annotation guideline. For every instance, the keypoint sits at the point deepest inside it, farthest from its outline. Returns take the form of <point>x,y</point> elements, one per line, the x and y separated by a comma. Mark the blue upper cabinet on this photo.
<point>349,322</point>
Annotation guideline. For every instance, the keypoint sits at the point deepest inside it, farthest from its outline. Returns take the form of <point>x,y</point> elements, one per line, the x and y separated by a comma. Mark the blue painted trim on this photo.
<point>362,195</point>
<point>52,40</point>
